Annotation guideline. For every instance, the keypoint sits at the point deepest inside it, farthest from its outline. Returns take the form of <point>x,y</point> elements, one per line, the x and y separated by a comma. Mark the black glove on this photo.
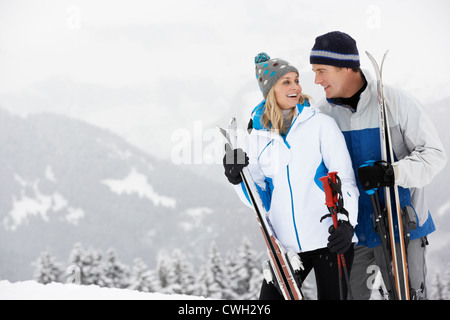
<point>233,162</point>
<point>340,239</point>
<point>380,174</point>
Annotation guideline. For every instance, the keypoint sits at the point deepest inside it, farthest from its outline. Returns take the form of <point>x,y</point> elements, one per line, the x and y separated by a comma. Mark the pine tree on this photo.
<point>76,265</point>
<point>85,267</point>
<point>446,294</point>
<point>440,288</point>
<point>142,279</point>
<point>47,269</point>
<point>184,281</point>
<point>232,267</point>
<point>244,269</point>
<point>215,283</point>
<point>93,268</point>
<point>255,282</point>
<point>116,273</point>
<point>163,272</point>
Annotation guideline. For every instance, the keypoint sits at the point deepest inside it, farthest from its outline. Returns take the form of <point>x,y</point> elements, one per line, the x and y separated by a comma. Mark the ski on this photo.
<point>283,267</point>
<point>399,264</point>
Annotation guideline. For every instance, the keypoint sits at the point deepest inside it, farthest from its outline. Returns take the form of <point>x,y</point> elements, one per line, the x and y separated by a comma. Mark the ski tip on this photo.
<point>222,130</point>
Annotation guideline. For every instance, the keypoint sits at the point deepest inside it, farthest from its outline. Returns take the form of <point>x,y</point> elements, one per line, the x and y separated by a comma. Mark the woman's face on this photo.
<point>288,90</point>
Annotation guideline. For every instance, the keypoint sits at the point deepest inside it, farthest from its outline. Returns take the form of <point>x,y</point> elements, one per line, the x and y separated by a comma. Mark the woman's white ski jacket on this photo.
<point>286,171</point>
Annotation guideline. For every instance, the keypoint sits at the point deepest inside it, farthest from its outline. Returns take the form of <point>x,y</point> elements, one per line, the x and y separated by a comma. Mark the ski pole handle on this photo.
<point>332,175</point>
<point>329,201</point>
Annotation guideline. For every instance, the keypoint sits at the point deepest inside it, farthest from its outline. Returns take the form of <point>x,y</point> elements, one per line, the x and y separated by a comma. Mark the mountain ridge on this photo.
<point>65,181</point>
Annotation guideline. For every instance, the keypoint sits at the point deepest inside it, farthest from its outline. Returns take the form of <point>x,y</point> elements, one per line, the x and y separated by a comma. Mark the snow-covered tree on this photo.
<point>244,272</point>
<point>117,274</point>
<point>164,272</point>
<point>231,267</point>
<point>438,284</point>
<point>47,269</point>
<point>85,267</point>
<point>213,277</point>
<point>143,279</point>
<point>94,268</point>
<point>77,265</point>
<point>441,285</point>
<point>184,281</point>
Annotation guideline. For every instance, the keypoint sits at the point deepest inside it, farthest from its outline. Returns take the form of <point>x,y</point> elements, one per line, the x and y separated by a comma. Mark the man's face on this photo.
<point>334,80</point>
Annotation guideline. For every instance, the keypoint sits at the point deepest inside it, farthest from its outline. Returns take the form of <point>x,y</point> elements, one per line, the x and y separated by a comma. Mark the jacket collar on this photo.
<point>363,96</point>
<point>304,111</point>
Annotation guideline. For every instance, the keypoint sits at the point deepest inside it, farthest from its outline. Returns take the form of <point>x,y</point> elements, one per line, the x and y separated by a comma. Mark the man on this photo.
<point>351,99</point>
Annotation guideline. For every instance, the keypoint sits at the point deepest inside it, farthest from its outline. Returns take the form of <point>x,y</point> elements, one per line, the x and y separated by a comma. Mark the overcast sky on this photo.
<point>144,69</point>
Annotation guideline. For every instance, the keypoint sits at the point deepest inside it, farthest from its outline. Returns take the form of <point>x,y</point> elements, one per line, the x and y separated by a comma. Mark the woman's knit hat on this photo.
<point>269,71</point>
<point>335,49</point>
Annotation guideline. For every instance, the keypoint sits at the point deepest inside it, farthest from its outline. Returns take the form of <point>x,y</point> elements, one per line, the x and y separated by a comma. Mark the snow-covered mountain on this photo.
<point>64,181</point>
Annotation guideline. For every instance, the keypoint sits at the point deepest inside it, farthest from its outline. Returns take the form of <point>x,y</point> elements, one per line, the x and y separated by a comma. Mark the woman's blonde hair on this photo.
<point>273,119</point>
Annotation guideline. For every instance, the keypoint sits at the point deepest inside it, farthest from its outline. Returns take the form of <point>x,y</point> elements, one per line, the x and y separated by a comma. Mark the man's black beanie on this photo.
<point>335,49</point>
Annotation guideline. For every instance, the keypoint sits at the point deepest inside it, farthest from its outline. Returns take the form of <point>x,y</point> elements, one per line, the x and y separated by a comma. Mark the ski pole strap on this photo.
<point>336,186</point>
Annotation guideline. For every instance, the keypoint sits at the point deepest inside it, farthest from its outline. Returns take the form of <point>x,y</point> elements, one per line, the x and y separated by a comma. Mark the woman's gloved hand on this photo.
<point>340,238</point>
<point>233,162</point>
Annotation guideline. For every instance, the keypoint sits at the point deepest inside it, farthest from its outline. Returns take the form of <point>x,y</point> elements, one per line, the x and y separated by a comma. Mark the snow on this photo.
<point>33,202</point>
<point>137,183</point>
<point>32,290</point>
<point>196,216</point>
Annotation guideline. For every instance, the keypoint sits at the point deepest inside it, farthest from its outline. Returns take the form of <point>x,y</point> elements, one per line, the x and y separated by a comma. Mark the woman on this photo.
<point>290,147</point>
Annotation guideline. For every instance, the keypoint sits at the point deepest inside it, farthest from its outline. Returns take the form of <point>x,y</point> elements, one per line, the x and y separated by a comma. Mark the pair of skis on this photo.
<point>398,274</point>
<point>283,267</point>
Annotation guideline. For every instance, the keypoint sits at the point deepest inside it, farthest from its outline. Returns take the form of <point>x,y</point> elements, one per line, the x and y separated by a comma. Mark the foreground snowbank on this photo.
<point>32,290</point>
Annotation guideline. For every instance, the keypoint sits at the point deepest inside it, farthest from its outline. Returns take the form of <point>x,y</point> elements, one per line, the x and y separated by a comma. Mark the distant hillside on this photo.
<point>64,181</point>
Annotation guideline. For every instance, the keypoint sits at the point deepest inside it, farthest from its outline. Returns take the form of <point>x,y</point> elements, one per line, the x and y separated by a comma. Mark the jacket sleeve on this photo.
<point>416,143</point>
<point>257,176</point>
<point>336,158</point>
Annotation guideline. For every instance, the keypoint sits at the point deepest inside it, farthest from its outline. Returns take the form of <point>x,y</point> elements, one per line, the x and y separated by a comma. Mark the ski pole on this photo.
<point>331,198</point>
<point>382,232</point>
<point>334,178</point>
<point>381,229</point>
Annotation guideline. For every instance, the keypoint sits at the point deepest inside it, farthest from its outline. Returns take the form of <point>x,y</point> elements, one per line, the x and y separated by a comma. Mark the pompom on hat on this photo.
<point>269,71</point>
<point>335,49</point>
